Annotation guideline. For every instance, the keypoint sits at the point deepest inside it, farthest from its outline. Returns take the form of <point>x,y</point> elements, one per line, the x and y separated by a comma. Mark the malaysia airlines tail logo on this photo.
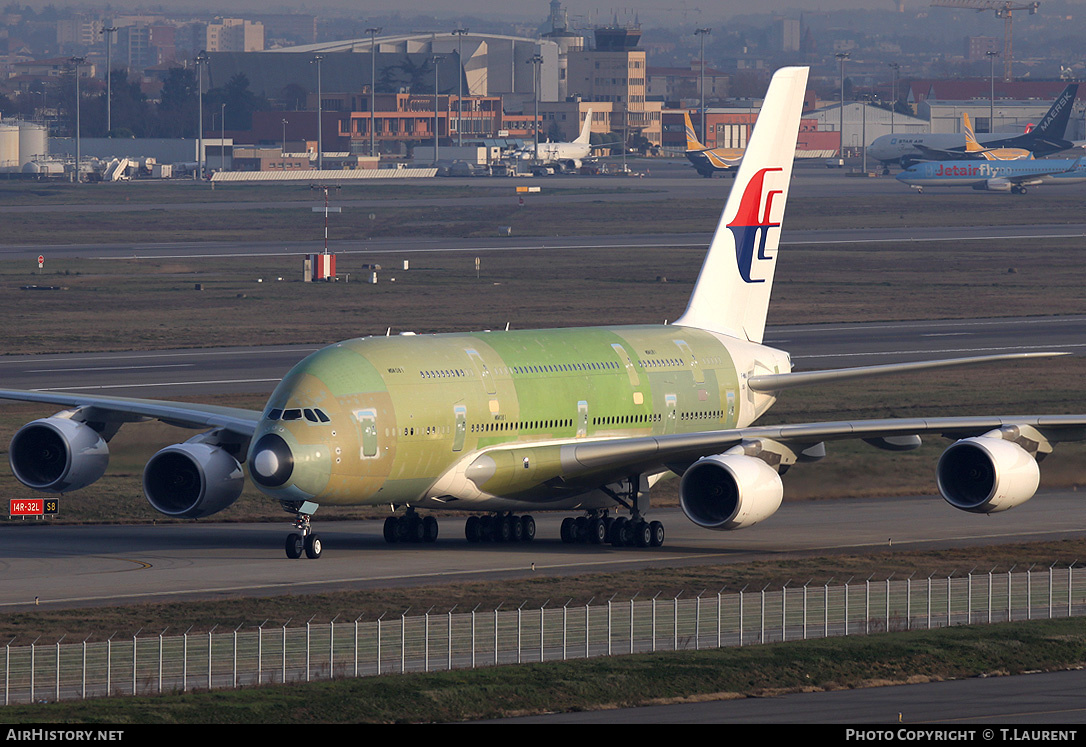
<point>748,229</point>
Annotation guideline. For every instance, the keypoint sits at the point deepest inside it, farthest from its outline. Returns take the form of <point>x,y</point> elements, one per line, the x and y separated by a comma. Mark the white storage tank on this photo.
<point>9,147</point>
<point>33,142</point>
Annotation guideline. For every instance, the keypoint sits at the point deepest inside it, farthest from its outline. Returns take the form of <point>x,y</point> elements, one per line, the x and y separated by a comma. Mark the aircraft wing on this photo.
<point>940,154</point>
<point>584,465</point>
<point>126,410</point>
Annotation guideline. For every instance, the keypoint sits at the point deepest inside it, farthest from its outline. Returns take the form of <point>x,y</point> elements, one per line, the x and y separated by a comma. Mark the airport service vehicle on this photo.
<point>995,176</point>
<point>582,420</point>
<point>1045,139</point>
<point>709,161</point>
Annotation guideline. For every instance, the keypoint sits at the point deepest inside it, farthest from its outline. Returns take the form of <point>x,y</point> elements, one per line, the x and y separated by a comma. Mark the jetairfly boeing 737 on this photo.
<point>580,420</point>
<point>1043,140</point>
<point>708,161</point>
<point>995,176</point>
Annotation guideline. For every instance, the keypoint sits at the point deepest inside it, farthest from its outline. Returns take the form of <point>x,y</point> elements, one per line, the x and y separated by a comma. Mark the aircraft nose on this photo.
<point>271,462</point>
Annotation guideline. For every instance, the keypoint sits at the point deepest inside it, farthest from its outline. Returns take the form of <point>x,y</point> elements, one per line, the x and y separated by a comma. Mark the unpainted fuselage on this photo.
<point>408,416</point>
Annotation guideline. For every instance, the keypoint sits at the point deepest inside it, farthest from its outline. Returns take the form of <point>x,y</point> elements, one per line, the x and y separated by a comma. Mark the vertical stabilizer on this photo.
<point>732,292</point>
<point>692,142</point>
<point>971,144</point>
<point>586,130</point>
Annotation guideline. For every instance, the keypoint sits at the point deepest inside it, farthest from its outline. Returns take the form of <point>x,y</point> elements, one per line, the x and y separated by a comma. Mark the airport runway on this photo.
<point>72,566</point>
<point>1051,699</point>
<point>414,245</point>
<point>172,373</point>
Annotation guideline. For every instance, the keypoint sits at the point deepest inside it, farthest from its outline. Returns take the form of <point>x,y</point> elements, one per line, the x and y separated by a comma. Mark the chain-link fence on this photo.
<point>434,642</point>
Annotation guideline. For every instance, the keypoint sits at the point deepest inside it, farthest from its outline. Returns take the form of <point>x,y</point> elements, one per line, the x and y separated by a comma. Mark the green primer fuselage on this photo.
<point>404,410</point>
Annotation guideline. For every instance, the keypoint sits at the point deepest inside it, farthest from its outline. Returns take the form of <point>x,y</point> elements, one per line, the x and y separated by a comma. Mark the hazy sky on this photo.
<point>656,10</point>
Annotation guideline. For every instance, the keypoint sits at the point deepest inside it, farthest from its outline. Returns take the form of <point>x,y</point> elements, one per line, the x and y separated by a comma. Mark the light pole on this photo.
<point>459,84</point>
<point>320,128</point>
<point>222,136</point>
<point>701,83</point>
<point>108,31</point>
<point>76,62</point>
<point>201,61</point>
<point>841,57</point>
<point>894,67</point>
<point>991,101</point>
<point>284,137</point>
<point>537,60</point>
<point>435,60</point>
<point>373,31</point>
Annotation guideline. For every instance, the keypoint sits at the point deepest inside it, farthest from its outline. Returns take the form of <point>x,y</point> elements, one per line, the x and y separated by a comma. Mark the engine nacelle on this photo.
<point>985,475</point>
<point>192,480</point>
<point>730,491</point>
<point>994,185</point>
<point>57,455</point>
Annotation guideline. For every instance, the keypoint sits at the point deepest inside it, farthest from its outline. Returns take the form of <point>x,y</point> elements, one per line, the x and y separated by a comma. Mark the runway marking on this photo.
<point>143,355</point>
<point>110,368</point>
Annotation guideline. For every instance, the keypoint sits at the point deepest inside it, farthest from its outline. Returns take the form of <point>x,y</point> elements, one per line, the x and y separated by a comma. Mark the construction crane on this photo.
<point>1003,9</point>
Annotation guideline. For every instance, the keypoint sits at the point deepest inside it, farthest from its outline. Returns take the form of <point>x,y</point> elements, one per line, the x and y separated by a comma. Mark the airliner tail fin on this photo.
<point>732,292</point>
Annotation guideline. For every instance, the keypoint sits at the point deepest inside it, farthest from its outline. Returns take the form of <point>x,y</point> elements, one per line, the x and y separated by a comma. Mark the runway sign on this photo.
<point>33,506</point>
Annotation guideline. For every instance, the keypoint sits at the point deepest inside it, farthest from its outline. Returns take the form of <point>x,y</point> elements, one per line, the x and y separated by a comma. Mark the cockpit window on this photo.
<point>275,414</point>
<point>292,414</point>
<point>310,415</point>
<point>322,417</point>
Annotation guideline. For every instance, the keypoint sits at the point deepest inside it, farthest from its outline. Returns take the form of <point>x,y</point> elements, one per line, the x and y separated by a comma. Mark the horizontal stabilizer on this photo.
<point>776,382</point>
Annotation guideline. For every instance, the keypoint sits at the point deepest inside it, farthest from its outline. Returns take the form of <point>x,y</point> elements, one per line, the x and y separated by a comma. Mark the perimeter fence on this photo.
<point>458,640</point>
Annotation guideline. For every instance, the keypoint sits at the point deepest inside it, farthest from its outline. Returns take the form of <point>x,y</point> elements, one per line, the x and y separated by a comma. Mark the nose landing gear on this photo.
<point>305,540</point>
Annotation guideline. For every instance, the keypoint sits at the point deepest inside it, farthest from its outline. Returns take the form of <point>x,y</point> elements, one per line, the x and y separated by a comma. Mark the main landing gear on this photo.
<point>410,528</point>
<point>597,527</point>
<point>499,528</point>
<point>305,539</point>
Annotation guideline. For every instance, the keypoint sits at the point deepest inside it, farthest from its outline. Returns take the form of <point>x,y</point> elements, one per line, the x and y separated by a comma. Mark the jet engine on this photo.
<point>192,480</point>
<point>994,185</point>
<point>985,475</point>
<point>730,491</point>
<point>57,455</point>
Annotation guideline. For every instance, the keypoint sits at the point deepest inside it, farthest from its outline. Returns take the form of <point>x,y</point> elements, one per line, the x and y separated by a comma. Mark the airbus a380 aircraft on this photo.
<point>578,420</point>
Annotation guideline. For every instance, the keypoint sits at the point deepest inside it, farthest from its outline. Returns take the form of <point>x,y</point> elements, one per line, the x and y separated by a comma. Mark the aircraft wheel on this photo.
<point>471,529</point>
<point>527,528</point>
<point>390,529</point>
<point>294,546</point>
<point>429,529</point>
<point>313,546</point>
<point>486,528</point>
<point>504,528</point>
<point>567,530</point>
<point>516,529</point>
<point>597,531</point>
<point>642,534</point>
<point>657,531</point>
<point>619,532</point>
